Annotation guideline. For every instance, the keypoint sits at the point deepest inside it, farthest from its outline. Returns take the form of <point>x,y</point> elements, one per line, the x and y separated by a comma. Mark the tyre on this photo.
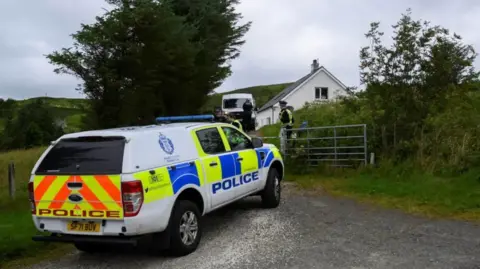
<point>271,195</point>
<point>185,228</point>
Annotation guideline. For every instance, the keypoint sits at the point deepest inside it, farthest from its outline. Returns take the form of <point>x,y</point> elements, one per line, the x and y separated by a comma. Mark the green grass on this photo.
<point>456,197</point>
<point>16,225</point>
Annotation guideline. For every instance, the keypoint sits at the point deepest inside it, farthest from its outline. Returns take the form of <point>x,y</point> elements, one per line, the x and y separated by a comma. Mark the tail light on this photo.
<point>31,198</point>
<point>132,195</point>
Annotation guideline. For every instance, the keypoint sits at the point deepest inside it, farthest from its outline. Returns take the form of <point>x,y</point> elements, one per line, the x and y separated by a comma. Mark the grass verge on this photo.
<point>455,197</point>
<point>16,226</point>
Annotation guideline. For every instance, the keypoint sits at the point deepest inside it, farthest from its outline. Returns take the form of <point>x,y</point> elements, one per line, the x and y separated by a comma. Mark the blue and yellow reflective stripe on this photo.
<point>213,174</point>
<point>250,161</point>
<point>168,181</point>
<point>183,174</point>
<point>229,165</point>
<point>270,155</point>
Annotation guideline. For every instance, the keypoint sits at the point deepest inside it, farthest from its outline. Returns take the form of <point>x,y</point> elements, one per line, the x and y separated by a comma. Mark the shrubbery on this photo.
<point>421,102</point>
<point>28,126</point>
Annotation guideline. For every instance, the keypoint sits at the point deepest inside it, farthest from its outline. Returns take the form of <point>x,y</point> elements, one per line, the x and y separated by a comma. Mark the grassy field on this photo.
<point>416,192</point>
<point>16,226</point>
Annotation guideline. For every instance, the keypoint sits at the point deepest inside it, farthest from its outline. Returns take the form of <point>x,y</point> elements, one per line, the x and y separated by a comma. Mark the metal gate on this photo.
<point>339,146</point>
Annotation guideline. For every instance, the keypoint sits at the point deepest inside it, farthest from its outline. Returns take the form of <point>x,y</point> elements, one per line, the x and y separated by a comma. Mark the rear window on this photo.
<point>84,155</point>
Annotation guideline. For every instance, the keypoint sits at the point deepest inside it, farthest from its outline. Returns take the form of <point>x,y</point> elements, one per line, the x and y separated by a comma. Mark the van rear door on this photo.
<point>80,178</point>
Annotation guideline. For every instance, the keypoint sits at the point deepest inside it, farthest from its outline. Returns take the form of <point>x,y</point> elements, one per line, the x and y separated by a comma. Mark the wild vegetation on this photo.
<point>421,105</point>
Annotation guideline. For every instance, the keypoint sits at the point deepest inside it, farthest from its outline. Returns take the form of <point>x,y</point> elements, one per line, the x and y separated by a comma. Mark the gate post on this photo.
<point>365,143</point>
<point>11,180</point>
<point>335,144</point>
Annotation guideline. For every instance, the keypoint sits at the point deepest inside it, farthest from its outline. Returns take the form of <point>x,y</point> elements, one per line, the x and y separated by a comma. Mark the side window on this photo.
<point>211,141</point>
<point>236,139</point>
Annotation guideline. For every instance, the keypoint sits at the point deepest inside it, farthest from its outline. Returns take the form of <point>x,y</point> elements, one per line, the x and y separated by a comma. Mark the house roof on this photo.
<point>295,85</point>
<point>285,92</point>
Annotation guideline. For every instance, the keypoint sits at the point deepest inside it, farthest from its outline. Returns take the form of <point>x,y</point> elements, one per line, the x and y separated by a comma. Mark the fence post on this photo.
<point>365,142</point>
<point>282,141</point>
<point>11,179</point>
<point>308,146</point>
<point>335,144</point>
<point>372,158</point>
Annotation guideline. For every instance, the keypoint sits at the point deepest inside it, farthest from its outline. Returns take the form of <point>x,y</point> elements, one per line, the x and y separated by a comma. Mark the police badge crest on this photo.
<point>166,144</point>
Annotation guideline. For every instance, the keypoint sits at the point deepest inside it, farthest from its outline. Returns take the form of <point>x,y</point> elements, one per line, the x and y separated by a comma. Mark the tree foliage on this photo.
<point>147,58</point>
<point>425,74</point>
<point>31,126</point>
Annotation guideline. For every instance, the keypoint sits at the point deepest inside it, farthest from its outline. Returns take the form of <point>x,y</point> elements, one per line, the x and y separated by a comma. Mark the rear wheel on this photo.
<point>272,193</point>
<point>185,228</point>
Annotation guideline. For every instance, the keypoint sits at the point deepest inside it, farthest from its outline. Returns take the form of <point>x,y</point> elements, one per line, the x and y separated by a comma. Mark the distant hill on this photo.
<point>70,110</point>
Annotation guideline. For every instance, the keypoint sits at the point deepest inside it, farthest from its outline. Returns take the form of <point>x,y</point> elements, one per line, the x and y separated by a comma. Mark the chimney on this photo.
<point>315,65</point>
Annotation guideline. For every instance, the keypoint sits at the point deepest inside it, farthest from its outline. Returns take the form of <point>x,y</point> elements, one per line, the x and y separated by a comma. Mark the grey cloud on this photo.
<point>285,36</point>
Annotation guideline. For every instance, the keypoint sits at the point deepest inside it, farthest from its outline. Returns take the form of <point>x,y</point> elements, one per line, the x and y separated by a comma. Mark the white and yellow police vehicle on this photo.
<point>148,183</point>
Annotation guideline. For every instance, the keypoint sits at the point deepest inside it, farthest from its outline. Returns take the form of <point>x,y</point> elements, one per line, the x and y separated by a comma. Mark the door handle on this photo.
<point>239,159</point>
<point>213,164</point>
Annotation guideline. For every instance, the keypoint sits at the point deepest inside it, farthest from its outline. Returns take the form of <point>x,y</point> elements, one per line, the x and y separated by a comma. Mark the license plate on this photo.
<point>83,226</point>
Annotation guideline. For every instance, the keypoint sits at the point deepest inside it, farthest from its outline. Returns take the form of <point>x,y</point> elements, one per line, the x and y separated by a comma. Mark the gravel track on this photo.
<point>309,231</point>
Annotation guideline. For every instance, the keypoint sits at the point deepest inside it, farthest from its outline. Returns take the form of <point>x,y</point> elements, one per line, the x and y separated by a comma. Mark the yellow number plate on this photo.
<point>83,226</point>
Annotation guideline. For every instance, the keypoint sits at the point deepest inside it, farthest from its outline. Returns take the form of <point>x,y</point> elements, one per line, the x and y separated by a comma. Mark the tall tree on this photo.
<point>413,78</point>
<point>143,59</point>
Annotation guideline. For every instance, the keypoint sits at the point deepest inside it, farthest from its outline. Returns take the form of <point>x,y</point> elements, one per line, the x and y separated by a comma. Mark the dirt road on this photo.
<point>310,232</point>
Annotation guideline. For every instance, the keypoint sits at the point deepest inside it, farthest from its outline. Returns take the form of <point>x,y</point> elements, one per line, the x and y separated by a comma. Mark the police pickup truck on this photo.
<point>148,184</point>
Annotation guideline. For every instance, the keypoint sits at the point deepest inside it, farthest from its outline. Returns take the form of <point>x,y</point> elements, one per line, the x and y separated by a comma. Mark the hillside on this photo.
<point>70,109</point>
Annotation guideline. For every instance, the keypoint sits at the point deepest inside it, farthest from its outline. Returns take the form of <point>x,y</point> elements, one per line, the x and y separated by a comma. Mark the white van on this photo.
<point>233,105</point>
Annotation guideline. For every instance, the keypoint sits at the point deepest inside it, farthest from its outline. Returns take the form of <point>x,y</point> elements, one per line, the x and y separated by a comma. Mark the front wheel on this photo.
<point>272,193</point>
<point>186,228</point>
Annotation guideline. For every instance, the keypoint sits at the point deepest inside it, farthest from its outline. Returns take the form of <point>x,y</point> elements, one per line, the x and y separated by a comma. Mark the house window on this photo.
<point>268,121</point>
<point>321,93</point>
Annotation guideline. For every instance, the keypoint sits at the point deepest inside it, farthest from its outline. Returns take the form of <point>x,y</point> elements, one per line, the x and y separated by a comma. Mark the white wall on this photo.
<point>264,117</point>
<point>306,93</point>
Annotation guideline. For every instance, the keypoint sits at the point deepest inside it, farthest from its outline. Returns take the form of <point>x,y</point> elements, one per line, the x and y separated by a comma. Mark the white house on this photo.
<point>317,85</point>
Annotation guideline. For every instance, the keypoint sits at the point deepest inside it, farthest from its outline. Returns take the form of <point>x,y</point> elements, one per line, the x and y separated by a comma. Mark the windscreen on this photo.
<point>85,156</point>
<point>234,103</point>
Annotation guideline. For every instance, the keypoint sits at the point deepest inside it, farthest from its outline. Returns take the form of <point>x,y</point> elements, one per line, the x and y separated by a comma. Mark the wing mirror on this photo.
<point>257,142</point>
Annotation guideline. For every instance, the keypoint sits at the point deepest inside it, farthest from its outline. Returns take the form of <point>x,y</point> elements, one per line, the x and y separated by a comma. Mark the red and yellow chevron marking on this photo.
<point>101,197</point>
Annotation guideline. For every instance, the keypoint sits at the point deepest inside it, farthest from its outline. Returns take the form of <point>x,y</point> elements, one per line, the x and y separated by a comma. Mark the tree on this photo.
<point>145,58</point>
<point>413,79</point>
<point>34,125</point>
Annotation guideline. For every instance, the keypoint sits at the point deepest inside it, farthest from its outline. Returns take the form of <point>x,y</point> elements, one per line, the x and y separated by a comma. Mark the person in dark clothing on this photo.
<point>219,115</point>
<point>286,118</point>
<point>247,115</point>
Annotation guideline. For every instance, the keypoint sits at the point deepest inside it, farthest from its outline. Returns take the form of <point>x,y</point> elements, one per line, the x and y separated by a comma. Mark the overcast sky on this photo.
<point>285,37</point>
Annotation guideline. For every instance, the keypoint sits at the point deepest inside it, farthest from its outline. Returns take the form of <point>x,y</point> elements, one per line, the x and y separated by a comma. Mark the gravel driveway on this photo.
<point>309,231</point>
